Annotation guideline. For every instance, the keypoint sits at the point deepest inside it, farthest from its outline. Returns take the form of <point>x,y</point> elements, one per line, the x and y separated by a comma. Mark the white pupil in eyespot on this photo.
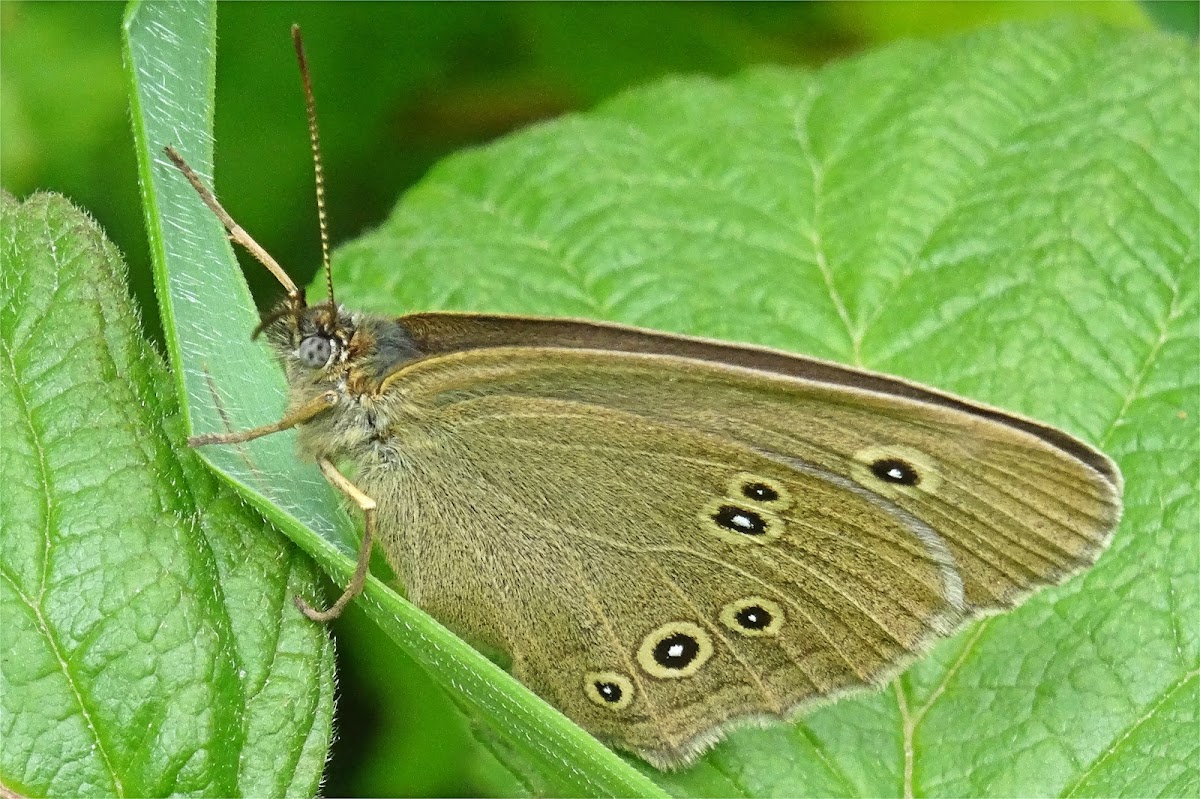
<point>895,473</point>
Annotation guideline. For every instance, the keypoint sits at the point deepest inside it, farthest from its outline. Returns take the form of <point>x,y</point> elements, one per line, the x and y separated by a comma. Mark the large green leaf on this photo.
<point>1010,215</point>
<point>150,645</point>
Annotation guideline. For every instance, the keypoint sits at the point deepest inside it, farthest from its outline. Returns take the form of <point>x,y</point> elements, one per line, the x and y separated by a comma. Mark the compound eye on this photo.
<point>314,351</point>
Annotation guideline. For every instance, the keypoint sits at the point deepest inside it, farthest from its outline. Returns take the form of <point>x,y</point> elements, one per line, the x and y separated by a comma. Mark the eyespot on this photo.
<point>676,649</point>
<point>762,491</point>
<point>753,616</point>
<point>315,351</point>
<point>609,689</point>
<point>740,522</point>
<point>896,471</point>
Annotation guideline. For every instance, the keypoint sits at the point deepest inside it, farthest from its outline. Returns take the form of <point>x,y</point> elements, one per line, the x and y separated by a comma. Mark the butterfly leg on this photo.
<point>315,406</point>
<point>236,233</point>
<point>367,505</point>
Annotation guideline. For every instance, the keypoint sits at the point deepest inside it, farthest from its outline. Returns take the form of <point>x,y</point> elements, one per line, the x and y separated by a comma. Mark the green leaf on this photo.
<point>150,644</point>
<point>228,380</point>
<point>1010,215</point>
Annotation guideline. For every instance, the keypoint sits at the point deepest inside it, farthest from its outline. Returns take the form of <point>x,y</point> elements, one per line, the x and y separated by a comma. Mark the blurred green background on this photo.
<point>399,86</point>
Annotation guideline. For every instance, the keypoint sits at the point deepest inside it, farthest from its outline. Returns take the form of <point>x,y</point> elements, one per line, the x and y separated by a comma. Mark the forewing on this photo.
<point>1016,510</point>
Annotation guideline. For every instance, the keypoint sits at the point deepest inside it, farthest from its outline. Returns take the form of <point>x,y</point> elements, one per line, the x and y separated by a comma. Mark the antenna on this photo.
<point>315,138</point>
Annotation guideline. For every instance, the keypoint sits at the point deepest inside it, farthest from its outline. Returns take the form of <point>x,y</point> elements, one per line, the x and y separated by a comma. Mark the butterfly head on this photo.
<point>308,339</point>
<point>325,347</point>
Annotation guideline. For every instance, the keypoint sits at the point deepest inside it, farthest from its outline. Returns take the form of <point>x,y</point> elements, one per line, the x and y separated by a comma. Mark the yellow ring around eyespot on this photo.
<point>930,480</point>
<point>592,692</point>
<point>729,616</point>
<point>774,524</point>
<point>645,653</point>
<point>743,479</point>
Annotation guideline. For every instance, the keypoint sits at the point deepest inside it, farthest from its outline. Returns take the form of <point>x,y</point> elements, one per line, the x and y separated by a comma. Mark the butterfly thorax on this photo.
<point>331,349</point>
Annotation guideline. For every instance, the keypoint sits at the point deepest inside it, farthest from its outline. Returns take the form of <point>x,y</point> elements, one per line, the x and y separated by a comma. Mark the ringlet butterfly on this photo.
<point>670,535</point>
